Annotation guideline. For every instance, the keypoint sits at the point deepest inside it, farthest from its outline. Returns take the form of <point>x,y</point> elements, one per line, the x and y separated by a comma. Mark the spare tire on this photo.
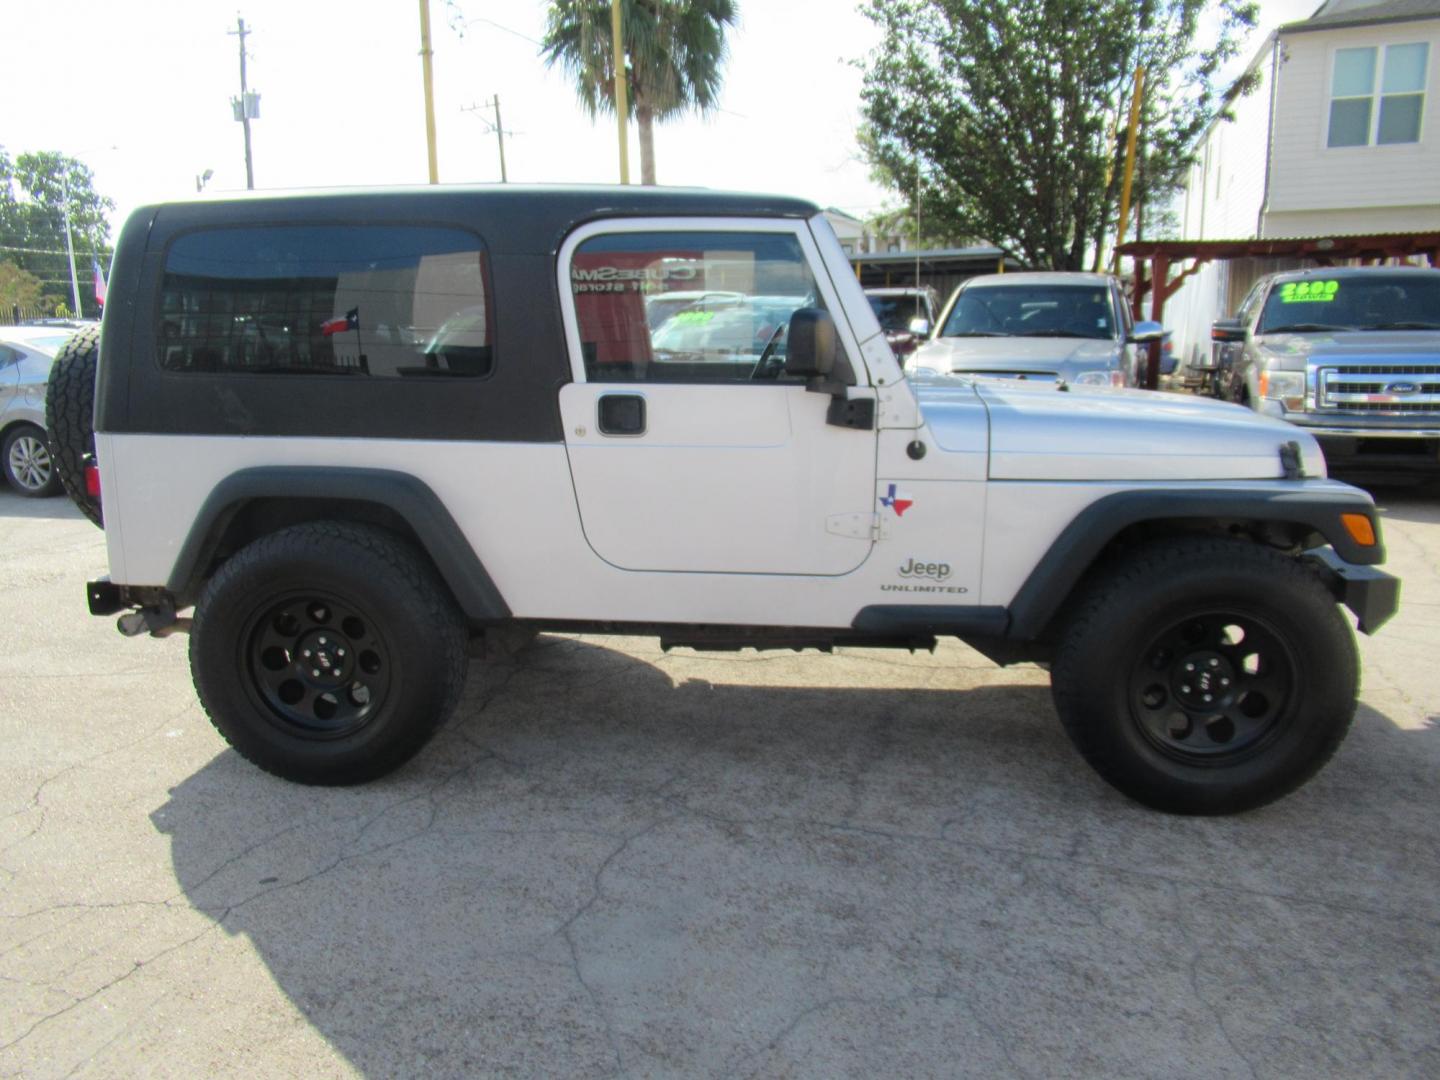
<point>70,416</point>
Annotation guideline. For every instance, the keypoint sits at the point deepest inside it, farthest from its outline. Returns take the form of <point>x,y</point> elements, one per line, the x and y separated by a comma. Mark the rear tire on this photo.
<point>327,653</point>
<point>28,463</point>
<point>1206,675</point>
<point>70,416</point>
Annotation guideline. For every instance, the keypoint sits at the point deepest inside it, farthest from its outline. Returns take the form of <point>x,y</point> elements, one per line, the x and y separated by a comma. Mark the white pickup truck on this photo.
<point>287,440</point>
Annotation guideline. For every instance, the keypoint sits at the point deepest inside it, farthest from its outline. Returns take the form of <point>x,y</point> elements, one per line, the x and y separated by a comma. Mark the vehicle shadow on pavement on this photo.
<point>618,861</point>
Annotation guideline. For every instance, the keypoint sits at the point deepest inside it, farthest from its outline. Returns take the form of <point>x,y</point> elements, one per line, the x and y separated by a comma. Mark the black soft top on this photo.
<point>531,218</point>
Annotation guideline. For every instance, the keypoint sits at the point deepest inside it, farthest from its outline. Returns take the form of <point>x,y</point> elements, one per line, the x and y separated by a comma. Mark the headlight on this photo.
<point>1100,378</point>
<point>1286,387</point>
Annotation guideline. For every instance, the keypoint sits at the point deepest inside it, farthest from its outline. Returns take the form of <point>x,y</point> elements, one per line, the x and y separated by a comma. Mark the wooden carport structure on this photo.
<point>1155,258</point>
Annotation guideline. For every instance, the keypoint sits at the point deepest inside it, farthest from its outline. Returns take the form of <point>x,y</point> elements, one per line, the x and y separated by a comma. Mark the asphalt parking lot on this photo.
<point>616,861</point>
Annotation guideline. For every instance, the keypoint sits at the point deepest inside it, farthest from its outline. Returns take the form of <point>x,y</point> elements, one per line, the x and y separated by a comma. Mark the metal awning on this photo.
<point>1160,255</point>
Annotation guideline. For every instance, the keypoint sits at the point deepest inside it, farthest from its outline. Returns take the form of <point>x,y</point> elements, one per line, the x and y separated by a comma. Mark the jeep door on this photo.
<point>690,448</point>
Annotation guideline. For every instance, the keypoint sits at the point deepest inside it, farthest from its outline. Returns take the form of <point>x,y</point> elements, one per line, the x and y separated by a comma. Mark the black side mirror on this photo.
<point>812,344</point>
<point>1227,330</point>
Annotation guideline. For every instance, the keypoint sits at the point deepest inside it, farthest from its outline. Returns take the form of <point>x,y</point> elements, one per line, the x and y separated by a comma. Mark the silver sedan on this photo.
<point>26,353</point>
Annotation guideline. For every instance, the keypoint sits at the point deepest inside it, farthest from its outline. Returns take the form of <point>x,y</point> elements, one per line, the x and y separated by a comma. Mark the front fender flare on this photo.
<point>1082,541</point>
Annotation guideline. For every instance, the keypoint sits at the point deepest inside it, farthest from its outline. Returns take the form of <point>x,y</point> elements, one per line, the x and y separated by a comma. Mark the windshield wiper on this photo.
<point>1411,324</point>
<point>980,333</point>
<point>1059,333</point>
<point>1303,328</point>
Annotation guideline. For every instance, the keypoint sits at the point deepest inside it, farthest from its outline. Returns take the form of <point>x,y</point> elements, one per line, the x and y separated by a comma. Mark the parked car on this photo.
<point>26,353</point>
<point>906,314</point>
<point>1070,327</point>
<point>342,537</point>
<point>660,306</point>
<point>740,333</point>
<point>1351,354</point>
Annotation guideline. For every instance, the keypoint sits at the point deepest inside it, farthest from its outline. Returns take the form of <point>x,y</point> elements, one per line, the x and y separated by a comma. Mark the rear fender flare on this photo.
<point>403,494</point>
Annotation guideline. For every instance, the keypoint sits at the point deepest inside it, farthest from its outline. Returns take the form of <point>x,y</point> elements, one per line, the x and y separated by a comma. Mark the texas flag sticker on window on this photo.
<point>896,501</point>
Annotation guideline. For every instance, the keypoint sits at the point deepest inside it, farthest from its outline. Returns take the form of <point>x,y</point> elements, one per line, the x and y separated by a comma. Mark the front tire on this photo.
<point>327,653</point>
<point>1206,675</point>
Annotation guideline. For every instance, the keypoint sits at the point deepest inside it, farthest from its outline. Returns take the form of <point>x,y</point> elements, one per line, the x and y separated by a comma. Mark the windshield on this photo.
<point>896,312</point>
<point>1378,302</point>
<point>49,345</point>
<point>1032,311</point>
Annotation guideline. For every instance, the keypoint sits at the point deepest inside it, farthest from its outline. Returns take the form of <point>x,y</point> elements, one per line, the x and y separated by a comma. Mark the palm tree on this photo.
<point>674,51</point>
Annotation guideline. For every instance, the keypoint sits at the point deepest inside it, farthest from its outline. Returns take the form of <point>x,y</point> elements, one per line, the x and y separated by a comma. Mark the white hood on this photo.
<point>1062,357</point>
<point>1094,433</point>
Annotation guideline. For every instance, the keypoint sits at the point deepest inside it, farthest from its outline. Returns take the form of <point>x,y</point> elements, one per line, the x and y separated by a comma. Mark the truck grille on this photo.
<point>1379,388</point>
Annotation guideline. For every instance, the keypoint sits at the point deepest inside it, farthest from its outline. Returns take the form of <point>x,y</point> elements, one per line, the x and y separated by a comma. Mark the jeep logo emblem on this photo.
<point>937,571</point>
<point>1401,388</point>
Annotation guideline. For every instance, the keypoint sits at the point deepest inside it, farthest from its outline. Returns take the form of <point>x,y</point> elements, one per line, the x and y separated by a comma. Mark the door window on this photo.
<point>689,307</point>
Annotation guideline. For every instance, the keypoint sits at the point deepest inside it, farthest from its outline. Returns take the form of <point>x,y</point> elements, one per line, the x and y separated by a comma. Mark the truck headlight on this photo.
<point>1286,387</point>
<point>1100,378</point>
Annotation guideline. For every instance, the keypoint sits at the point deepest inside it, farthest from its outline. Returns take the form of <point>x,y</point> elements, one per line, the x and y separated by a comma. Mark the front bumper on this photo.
<point>1363,431</point>
<point>1373,596</point>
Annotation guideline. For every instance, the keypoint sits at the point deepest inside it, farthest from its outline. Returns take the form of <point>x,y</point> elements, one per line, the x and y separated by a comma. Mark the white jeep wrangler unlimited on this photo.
<point>355,429</point>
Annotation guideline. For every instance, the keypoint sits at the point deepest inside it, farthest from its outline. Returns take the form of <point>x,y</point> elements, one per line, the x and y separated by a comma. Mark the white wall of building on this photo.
<point>1222,200</point>
<point>1317,189</point>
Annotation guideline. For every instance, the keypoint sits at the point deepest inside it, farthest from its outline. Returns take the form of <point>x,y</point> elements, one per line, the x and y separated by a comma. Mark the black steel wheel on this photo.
<point>327,653</point>
<point>1205,675</point>
<point>318,664</point>
<point>1212,685</point>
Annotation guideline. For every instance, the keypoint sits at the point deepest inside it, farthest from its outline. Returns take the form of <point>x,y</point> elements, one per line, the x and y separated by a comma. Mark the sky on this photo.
<point>140,90</point>
<point>342,98</point>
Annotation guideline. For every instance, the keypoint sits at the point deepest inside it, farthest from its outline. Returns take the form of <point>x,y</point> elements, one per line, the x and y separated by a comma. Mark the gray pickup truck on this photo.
<point>1351,355</point>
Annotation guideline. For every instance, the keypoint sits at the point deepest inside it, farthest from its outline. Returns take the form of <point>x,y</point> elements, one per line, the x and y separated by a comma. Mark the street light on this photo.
<point>202,179</point>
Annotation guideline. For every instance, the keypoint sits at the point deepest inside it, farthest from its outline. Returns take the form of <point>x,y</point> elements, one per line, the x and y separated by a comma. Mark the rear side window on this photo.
<point>364,300</point>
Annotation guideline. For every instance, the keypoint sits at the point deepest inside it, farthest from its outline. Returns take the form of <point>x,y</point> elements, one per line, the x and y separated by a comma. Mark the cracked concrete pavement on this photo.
<point>616,861</point>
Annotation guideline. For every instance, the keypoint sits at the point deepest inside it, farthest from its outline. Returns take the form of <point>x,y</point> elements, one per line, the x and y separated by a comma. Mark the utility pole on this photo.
<point>500,136</point>
<point>622,90</point>
<point>246,107</point>
<point>426,65</point>
<point>1130,137</point>
<point>474,109</point>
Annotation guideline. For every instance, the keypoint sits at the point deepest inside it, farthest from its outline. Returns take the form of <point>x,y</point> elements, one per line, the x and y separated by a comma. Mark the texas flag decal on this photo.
<point>896,502</point>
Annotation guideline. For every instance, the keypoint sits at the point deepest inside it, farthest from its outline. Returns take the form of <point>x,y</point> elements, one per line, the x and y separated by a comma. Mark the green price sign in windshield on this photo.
<point>1308,292</point>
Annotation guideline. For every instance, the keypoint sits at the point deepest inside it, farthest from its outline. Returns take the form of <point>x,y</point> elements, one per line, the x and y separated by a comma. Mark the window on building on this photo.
<point>1377,95</point>
<point>327,300</point>
<point>691,307</point>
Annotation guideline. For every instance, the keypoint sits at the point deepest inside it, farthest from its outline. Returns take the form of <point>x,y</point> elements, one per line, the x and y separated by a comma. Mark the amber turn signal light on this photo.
<point>1359,528</point>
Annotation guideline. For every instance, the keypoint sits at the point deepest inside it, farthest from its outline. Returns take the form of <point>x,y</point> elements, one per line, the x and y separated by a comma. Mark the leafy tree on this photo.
<point>674,52</point>
<point>1007,120</point>
<point>34,189</point>
<point>18,288</point>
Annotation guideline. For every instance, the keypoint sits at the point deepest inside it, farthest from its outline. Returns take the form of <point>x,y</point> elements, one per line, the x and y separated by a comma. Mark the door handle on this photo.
<point>621,414</point>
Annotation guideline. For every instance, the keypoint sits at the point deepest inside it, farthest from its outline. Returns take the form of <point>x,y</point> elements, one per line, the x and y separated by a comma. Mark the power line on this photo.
<point>41,251</point>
